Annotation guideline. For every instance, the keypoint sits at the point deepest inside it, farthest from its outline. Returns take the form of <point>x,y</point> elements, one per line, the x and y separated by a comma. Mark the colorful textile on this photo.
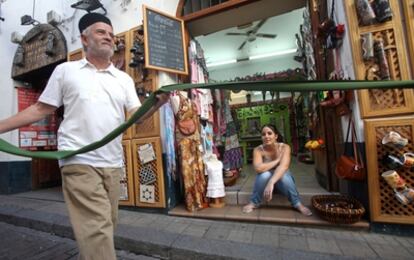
<point>190,158</point>
<point>168,144</point>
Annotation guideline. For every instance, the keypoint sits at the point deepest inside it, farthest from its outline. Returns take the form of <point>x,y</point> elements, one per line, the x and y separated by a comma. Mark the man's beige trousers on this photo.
<point>91,196</point>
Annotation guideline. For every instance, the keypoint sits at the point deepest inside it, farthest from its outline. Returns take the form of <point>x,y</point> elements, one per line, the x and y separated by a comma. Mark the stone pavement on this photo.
<point>169,237</point>
<point>24,243</point>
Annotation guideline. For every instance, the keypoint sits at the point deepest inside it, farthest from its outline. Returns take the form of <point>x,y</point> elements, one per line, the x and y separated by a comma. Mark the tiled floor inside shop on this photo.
<point>276,211</point>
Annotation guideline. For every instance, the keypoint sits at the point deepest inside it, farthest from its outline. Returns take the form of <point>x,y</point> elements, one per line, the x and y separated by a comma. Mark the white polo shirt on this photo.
<point>94,104</point>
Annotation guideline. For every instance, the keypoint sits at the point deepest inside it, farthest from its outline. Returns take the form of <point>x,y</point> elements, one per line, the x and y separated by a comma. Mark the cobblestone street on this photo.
<point>25,243</point>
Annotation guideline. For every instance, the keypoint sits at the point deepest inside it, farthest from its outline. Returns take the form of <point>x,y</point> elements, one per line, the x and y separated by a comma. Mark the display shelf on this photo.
<point>384,206</point>
<point>127,197</point>
<point>378,102</point>
<point>408,7</point>
<point>155,166</point>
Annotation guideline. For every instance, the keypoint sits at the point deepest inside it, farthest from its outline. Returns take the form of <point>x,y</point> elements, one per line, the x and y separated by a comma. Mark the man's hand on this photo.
<point>162,99</point>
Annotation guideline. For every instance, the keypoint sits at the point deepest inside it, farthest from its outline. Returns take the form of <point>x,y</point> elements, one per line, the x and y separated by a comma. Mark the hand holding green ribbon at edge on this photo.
<point>270,85</point>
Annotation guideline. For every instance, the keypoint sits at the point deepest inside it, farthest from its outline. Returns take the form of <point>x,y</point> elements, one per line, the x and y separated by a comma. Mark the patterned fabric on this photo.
<point>207,138</point>
<point>190,157</point>
<point>233,159</point>
<point>192,170</point>
<point>231,142</point>
<point>217,117</point>
<point>168,145</point>
<point>231,129</point>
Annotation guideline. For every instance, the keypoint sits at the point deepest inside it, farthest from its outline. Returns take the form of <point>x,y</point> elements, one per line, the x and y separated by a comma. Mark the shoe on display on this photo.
<point>406,196</point>
<point>394,139</point>
<point>382,10</point>
<point>366,15</point>
<point>392,162</point>
<point>394,180</point>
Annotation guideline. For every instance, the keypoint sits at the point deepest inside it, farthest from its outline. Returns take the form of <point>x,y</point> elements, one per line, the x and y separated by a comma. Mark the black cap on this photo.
<point>91,18</point>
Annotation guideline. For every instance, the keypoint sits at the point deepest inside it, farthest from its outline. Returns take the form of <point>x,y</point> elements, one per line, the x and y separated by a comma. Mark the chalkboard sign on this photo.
<point>164,42</point>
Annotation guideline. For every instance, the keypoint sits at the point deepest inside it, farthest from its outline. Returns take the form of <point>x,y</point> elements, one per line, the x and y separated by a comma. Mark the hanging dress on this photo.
<point>190,157</point>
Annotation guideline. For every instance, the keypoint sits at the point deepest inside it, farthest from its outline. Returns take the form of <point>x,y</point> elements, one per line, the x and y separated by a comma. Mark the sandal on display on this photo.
<point>408,160</point>
<point>402,192</point>
<point>394,139</point>
<point>249,208</point>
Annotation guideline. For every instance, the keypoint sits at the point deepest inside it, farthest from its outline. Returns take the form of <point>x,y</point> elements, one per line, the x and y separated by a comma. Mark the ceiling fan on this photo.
<point>252,34</point>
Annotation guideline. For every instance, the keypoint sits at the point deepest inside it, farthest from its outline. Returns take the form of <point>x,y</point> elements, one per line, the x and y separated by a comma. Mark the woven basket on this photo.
<point>338,209</point>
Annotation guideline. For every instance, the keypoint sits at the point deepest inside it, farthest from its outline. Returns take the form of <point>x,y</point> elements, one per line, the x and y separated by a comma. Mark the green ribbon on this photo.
<point>271,85</point>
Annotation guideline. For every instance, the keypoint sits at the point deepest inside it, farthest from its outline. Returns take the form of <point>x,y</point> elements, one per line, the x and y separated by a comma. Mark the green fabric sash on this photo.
<point>282,86</point>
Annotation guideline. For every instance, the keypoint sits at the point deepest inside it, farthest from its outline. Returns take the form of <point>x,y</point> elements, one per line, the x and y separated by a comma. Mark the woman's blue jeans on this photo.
<point>286,186</point>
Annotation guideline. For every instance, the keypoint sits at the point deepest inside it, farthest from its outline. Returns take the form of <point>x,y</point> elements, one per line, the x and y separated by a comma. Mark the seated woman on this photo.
<point>271,161</point>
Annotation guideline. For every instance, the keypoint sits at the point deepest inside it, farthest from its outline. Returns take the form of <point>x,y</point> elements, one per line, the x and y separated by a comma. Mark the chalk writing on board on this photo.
<point>164,42</point>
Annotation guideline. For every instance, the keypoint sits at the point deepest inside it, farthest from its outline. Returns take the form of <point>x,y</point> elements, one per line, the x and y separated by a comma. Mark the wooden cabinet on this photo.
<point>150,127</point>
<point>384,206</point>
<point>381,102</point>
<point>408,7</point>
<point>127,195</point>
<point>384,110</point>
<point>155,196</point>
<point>146,81</point>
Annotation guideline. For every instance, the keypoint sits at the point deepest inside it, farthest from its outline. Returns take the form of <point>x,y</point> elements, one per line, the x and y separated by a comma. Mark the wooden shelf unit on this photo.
<point>384,207</point>
<point>375,103</point>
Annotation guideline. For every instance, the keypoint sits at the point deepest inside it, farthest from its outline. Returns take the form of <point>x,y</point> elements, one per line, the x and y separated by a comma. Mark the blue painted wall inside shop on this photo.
<point>15,177</point>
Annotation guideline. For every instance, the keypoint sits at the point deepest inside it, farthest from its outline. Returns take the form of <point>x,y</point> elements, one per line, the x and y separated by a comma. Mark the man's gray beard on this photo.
<point>104,53</point>
<point>107,53</point>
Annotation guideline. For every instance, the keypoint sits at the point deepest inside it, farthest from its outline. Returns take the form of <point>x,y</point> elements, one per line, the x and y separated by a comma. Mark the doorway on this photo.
<point>267,48</point>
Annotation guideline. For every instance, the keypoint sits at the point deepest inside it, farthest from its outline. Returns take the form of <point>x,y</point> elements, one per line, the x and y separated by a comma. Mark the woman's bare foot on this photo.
<point>249,207</point>
<point>304,210</point>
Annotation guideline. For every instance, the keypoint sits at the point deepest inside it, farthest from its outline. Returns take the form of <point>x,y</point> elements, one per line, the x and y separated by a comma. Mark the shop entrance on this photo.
<point>272,47</point>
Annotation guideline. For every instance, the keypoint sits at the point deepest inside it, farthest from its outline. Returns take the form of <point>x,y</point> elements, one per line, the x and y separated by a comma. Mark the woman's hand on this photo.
<point>268,191</point>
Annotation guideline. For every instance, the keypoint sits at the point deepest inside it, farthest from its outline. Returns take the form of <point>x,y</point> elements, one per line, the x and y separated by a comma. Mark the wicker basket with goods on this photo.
<point>338,209</point>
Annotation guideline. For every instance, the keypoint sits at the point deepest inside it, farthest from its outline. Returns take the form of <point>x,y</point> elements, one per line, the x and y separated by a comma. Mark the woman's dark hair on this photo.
<point>274,129</point>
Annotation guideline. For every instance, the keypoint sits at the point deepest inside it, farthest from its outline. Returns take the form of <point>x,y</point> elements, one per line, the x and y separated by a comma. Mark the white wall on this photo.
<point>270,65</point>
<point>348,67</point>
<point>243,69</point>
<point>122,18</point>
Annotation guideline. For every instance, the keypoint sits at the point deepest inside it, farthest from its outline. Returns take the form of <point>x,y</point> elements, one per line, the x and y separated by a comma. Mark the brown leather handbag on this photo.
<point>351,167</point>
<point>186,126</point>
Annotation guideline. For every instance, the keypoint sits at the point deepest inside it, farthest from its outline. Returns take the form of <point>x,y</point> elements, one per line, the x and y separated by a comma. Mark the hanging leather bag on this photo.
<point>351,167</point>
<point>186,124</point>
